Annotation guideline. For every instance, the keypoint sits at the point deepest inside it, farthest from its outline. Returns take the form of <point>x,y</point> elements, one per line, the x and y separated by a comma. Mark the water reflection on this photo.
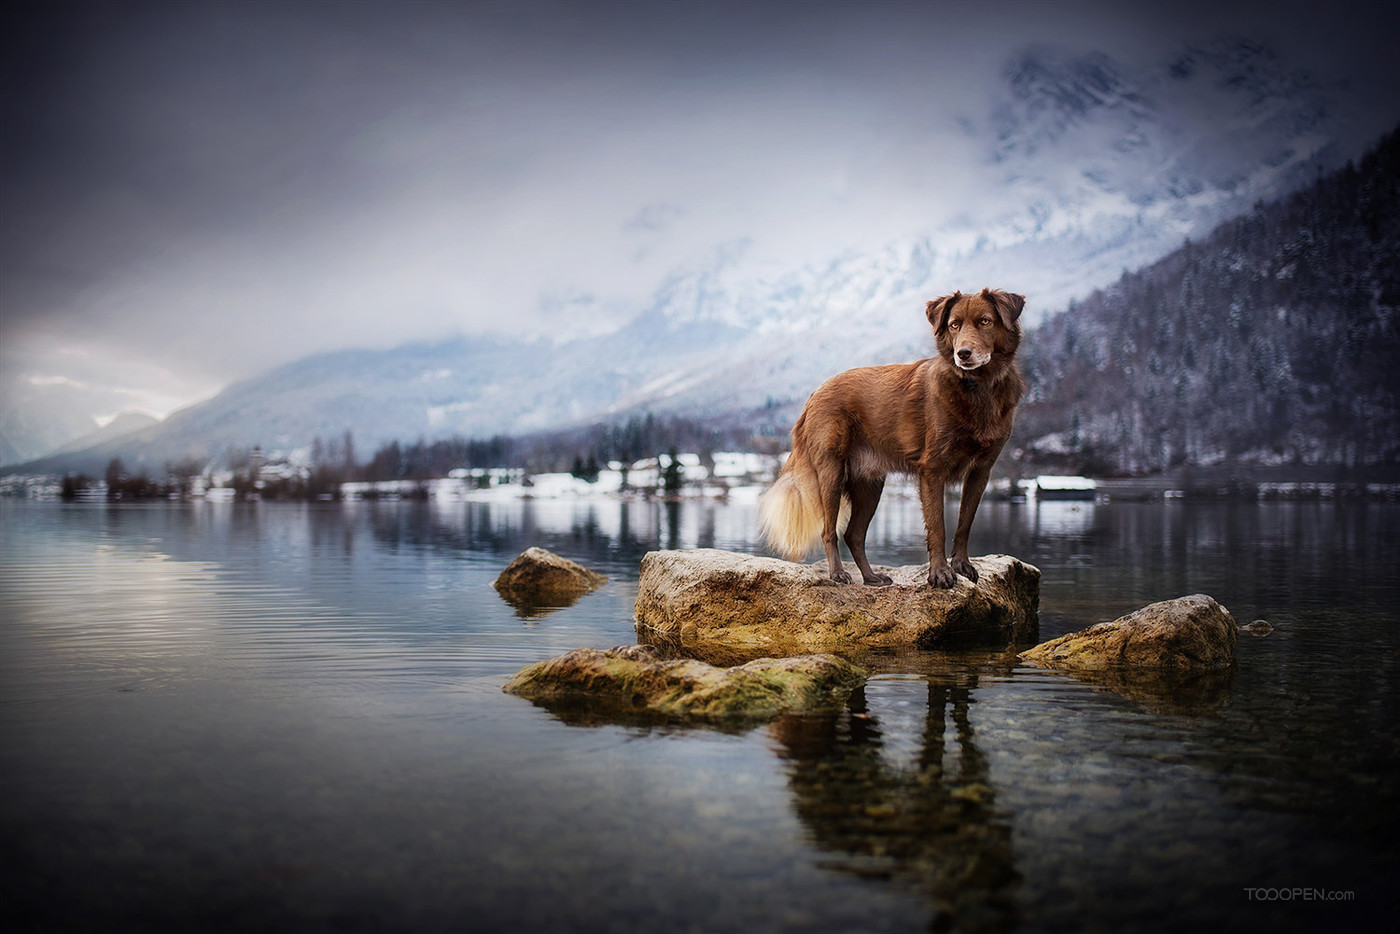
<point>188,691</point>
<point>895,788</point>
<point>608,533</point>
<point>532,610</point>
<point>583,711</point>
<point>1167,693</point>
<point>1061,519</point>
<point>933,823</point>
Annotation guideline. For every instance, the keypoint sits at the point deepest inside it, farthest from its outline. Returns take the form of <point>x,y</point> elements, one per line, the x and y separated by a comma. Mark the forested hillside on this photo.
<point>1275,341</point>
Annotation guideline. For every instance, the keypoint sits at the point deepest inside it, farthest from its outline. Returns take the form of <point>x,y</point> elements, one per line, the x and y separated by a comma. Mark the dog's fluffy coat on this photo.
<point>943,419</point>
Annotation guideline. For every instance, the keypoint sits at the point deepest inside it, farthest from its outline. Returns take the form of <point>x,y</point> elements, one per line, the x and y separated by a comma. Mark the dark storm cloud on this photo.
<point>210,188</point>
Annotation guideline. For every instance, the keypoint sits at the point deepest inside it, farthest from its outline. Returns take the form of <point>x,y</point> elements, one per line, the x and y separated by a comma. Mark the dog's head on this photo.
<point>973,330</point>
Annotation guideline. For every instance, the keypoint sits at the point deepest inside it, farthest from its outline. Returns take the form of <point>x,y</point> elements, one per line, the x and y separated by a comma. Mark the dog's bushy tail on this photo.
<point>790,512</point>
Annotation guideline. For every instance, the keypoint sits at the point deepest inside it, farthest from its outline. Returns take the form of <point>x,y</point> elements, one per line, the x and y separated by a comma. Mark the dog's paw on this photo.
<point>942,577</point>
<point>964,567</point>
<point>841,576</point>
<point>878,580</point>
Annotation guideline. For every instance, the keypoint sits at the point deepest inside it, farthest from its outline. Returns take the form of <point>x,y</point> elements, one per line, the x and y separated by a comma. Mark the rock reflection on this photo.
<point>1165,693</point>
<point>582,712</point>
<point>532,610</point>
<point>933,823</point>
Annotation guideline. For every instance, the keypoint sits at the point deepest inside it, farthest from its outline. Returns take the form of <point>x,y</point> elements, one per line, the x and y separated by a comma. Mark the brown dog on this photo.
<point>943,419</point>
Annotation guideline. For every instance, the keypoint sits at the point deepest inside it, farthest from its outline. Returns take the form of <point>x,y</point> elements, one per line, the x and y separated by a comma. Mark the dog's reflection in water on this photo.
<point>931,822</point>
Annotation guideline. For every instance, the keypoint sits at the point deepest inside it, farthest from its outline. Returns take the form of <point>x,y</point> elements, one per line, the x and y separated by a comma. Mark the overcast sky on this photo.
<point>195,192</point>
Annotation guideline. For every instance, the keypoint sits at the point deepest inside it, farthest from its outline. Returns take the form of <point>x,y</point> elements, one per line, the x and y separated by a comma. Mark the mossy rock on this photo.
<point>1192,633</point>
<point>641,678</point>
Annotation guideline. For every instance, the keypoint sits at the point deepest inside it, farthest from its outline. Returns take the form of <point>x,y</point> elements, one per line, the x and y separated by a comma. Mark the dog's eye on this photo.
<point>985,323</point>
<point>954,325</point>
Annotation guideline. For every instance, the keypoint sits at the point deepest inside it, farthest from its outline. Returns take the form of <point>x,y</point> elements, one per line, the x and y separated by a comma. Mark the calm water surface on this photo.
<point>285,717</point>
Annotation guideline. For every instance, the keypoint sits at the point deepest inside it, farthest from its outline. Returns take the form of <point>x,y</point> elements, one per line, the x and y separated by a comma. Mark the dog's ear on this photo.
<point>1007,304</point>
<point>938,309</point>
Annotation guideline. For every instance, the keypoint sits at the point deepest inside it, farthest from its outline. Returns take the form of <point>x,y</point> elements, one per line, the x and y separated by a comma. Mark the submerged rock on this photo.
<point>703,597</point>
<point>1260,627</point>
<point>1185,634</point>
<point>640,678</point>
<point>539,581</point>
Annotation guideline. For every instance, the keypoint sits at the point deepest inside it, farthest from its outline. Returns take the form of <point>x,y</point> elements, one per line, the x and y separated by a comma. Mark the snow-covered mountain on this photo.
<point>1092,166</point>
<point>1098,167</point>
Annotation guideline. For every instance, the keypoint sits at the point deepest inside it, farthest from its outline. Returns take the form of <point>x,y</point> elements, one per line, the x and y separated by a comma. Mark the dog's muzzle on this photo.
<point>968,358</point>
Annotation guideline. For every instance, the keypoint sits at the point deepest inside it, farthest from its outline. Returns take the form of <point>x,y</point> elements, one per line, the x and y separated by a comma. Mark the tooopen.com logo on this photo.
<point>1298,894</point>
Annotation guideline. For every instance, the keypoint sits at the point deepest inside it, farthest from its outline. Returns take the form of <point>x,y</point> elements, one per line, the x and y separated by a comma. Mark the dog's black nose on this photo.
<point>965,353</point>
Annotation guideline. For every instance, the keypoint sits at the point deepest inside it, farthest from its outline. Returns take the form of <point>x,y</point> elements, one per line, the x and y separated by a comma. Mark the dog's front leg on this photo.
<point>973,487</point>
<point>931,498</point>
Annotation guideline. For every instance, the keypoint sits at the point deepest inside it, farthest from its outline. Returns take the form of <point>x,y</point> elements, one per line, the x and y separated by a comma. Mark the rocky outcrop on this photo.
<point>539,581</point>
<point>1186,634</point>
<point>705,597</point>
<point>629,679</point>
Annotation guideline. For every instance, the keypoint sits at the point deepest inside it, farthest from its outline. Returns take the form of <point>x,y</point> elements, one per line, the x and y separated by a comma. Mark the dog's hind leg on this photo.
<point>829,494</point>
<point>865,496</point>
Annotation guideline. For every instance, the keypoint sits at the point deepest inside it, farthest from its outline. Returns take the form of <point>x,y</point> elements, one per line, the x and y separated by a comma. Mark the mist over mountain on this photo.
<point>1092,167</point>
<point>118,428</point>
<point>39,419</point>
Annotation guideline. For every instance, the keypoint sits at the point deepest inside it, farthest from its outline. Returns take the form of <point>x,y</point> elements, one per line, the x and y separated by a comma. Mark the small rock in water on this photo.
<point>539,580</point>
<point>1260,627</point>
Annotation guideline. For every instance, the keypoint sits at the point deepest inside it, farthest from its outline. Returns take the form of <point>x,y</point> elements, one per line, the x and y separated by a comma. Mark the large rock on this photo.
<point>1186,634</point>
<point>706,597</point>
<point>539,581</point>
<point>640,678</point>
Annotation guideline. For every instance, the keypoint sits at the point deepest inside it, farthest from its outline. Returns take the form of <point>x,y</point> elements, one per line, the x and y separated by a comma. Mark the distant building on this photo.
<point>1050,487</point>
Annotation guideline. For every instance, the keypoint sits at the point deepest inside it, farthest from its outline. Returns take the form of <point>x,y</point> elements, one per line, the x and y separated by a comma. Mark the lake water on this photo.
<point>289,717</point>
